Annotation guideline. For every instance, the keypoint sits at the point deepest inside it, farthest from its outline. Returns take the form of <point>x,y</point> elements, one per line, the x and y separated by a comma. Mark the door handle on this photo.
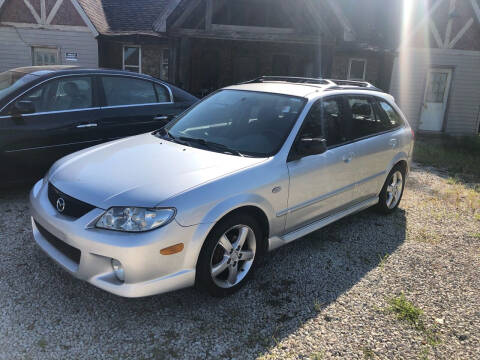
<point>393,142</point>
<point>81,126</point>
<point>348,157</point>
<point>161,117</point>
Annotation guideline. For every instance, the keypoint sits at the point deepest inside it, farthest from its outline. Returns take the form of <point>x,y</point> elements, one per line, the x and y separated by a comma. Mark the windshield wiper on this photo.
<point>211,145</point>
<point>164,134</point>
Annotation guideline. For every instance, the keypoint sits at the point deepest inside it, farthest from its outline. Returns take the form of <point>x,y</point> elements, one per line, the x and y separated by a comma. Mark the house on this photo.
<point>127,38</point>
<point>436,74</point>
<point>202,45</point>
<point>45,32</point>
<point>198,44</point>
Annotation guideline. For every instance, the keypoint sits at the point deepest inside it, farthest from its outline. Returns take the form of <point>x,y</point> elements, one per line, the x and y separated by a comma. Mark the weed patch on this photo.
<point>408,312</point>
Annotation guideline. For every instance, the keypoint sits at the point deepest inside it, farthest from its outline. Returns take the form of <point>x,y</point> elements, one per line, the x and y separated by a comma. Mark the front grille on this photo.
<point>67,250</point>
<point>72,207</point>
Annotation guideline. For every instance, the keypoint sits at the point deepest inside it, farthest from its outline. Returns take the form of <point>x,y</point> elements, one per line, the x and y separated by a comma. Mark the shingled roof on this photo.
<point>122,17</point>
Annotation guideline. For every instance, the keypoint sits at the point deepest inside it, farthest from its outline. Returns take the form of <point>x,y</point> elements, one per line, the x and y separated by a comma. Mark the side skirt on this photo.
<point>277,241</point>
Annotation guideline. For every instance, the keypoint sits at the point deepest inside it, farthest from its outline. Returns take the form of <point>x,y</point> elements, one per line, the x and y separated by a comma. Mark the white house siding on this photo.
<point>463,109</point>
<point>16,46</point>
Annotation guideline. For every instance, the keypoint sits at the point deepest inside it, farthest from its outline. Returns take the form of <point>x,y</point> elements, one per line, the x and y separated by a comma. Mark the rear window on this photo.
<point>390,117</point>
<point>129,91</point>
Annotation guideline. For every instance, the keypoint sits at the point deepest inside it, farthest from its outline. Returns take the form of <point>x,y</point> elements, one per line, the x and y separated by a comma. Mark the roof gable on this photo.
<point>124,16</point>
<point>56,14</point>
<point>447,24</point>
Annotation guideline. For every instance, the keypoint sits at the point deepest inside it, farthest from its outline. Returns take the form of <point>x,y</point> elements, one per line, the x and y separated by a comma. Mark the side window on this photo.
<point>162,93</point>
<point>364,120</point>
<point>334,121</point>
<point>312,126</point>
<point>128,91</point>
<point>389,116</point>
<point>61,94</point>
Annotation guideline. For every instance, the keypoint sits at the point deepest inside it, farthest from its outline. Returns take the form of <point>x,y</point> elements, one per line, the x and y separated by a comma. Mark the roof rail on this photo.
<point>332,84</point>
<point>352,85</point>
<point>291,79</point>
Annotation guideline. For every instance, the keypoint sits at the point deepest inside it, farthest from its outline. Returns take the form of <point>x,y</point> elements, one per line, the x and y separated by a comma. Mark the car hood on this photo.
<point>140,171</point>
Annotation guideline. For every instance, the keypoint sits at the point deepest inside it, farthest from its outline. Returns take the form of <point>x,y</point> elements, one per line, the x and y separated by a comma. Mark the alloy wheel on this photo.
<point>394,190</point>
<point>233,256</point>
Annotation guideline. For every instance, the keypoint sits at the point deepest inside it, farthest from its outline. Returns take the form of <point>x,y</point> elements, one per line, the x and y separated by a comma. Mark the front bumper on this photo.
<point>147,272</point>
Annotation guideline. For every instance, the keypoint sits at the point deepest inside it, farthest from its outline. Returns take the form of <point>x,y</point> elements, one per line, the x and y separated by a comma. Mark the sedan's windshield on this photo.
<point>12,80</point>
<point>239,122</point>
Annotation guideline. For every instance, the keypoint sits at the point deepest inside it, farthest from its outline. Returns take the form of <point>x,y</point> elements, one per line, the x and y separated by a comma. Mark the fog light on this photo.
<point>118,270</point>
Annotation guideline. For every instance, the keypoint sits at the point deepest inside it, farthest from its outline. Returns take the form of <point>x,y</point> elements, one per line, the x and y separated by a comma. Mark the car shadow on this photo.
<point>293,285</point>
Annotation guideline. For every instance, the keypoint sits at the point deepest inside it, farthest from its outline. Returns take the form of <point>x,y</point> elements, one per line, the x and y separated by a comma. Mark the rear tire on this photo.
<point>232,251</point>
<point>392,191</point>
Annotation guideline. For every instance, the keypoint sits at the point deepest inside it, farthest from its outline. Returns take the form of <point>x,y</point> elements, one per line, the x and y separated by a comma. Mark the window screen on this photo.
<point>357,69</point>
<point>132,58</point>
<point>45,56</point>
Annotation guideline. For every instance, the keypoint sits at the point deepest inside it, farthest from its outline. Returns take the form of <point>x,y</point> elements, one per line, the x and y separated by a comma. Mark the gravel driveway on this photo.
<point>325,296</point>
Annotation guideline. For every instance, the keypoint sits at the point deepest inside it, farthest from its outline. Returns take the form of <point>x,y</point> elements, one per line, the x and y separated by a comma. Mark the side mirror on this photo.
<point>23,107</point>
<point>310,146</point>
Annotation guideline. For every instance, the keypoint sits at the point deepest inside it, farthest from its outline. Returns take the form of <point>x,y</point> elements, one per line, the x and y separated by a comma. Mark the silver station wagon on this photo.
<point>199,202</point>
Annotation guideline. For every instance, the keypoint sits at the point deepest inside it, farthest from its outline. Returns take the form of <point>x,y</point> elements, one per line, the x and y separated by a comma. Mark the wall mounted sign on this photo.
<point>71,56</point>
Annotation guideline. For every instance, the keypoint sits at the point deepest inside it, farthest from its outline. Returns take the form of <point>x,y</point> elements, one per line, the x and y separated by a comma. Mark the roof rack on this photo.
<point>332,84</point>
<point>291,79</point>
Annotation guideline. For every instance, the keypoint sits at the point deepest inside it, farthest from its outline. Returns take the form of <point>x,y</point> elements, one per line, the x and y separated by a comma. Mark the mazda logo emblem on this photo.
<point>60,204</point>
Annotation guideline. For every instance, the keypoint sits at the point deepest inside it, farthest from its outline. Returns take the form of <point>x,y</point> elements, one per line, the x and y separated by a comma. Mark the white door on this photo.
<point>435,99</point>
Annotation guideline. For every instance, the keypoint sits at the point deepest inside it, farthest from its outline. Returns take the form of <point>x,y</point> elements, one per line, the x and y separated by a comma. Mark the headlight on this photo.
<point>133,219</point>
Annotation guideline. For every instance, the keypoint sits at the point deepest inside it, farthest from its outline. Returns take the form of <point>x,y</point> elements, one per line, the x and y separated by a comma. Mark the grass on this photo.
<point>317,356</point>
<point>382,261</point>
<point>368,353</point>
<point>318,306</point>
<point>425,236</point>
<point>408,312</point>
<point>42,343</point>
<point>405,310</point>
<point>460,156</point>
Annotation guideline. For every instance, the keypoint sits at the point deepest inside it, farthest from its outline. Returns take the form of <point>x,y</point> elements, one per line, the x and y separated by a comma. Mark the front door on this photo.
<point>64,119</point>
<point>435,99</point>
<point>322,184</point>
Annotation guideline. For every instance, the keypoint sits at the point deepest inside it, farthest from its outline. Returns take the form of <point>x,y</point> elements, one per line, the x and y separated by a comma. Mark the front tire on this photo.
<point>230,254</point>
<point>392,191</point>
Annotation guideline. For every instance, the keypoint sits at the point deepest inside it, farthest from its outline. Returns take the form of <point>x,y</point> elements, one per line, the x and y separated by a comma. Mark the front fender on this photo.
<point>221,209</point>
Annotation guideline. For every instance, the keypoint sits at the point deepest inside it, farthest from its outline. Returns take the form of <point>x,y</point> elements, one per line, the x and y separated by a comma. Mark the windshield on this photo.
<point>12,80</point>
<point>244,123</point>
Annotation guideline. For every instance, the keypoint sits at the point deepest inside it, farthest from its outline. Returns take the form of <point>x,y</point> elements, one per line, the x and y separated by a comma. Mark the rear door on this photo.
<point>323,184</point>
<point>65,119</point>
<point>373,136</point>
<point>134,105</point>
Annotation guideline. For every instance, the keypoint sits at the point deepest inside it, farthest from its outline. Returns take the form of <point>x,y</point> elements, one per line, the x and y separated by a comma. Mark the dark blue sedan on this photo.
<point>51,111</point>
